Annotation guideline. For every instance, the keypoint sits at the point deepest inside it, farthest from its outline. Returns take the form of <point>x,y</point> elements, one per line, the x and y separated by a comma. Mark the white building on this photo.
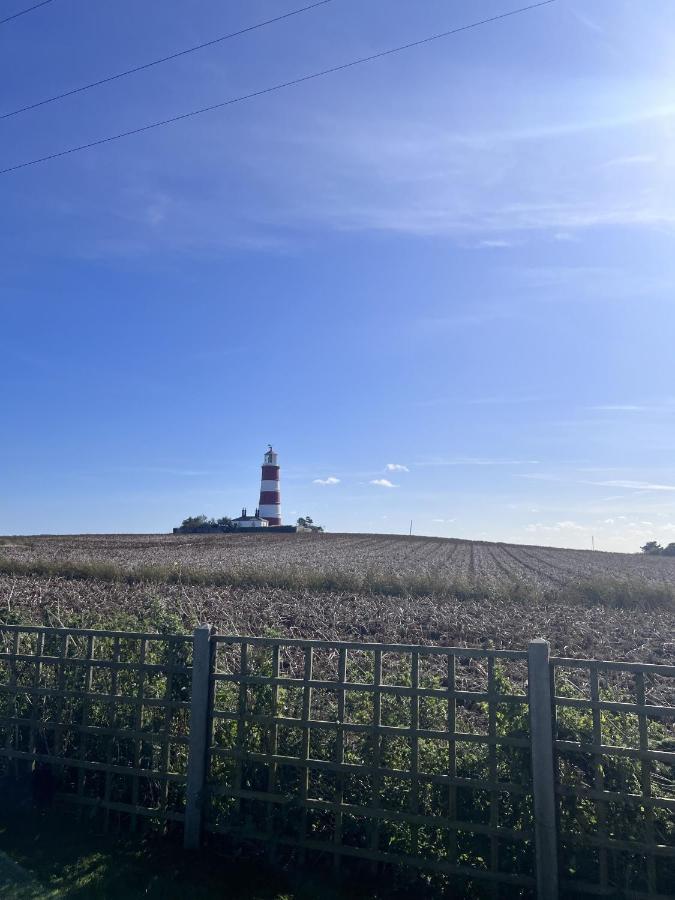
<point>256,521</point>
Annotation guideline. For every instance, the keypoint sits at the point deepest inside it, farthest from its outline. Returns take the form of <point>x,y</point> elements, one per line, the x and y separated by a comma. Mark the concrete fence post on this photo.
<point>543,774</point>
<point>199,736</point>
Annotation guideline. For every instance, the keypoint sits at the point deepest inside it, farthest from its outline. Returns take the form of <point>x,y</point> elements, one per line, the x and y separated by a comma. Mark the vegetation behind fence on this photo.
<point>99,717</point>
<point>491,769</point>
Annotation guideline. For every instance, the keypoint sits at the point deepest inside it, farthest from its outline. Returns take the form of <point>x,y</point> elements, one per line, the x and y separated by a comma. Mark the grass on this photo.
<point>622,593</point>
<point>68,860</point>
<point>288,578</point>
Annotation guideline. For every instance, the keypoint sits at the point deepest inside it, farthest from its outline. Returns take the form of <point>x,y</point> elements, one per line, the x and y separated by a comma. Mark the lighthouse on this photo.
<point>270,496</point>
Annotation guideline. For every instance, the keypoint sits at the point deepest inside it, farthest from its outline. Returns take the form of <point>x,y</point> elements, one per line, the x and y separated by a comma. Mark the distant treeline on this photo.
<point>653,548</point>
<point>204,525</point>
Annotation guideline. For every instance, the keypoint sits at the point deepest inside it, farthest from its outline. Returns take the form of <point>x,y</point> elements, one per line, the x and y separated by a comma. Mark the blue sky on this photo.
<point>457,260</point>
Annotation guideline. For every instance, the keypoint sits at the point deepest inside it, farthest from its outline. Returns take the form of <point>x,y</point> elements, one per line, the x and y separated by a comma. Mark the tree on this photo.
<point>224,521</point>
<point>194,522</point>
<point>669,550</point>
<point>308,522</point>
<point>202,524</point>
<point>652,548</point>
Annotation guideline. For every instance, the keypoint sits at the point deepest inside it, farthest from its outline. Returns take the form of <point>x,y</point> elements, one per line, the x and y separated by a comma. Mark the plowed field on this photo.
<point>356,555</point>
<point>347,587</point>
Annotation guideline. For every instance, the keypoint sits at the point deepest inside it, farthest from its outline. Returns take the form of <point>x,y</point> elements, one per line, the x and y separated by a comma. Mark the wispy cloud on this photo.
<point>537,476</point>
<point>396,467</point>
<point>499,400</point>
<point>555,283</point>
<point>495,244</point>
<point>565,237</point>
<point>164,470</point>
<point>586,21</point>
<point>450,164</point>
<point>383,482</point>
<point>639,159</point>
<point>633,485</point>
<point>476,461</point>
<point>555,527</point>
<point>623,483</point>
<point>473,318</point>
<point>619,407</point>
<point>496,400</point>
<point>327,481</point>
<point>663,405</point>
<point>493,187</point>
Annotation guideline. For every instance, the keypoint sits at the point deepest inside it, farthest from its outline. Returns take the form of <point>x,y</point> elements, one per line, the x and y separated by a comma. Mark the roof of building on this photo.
<point>246,518</point>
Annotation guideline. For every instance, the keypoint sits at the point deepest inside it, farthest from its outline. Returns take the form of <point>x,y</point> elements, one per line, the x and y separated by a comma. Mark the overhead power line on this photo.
<point>276,87</point>
<point>24,11</point>
<point>163,59</point>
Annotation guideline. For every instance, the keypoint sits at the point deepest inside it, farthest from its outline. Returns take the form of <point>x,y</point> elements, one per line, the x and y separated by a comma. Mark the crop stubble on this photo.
<point>496,618</point>
<point>347,554</point>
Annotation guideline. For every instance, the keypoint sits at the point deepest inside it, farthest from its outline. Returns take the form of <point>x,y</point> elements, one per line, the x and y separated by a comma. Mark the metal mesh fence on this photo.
<point>99,717</point>
<point>614,739</point>
<point>384,753</point>
<point>358,754</point>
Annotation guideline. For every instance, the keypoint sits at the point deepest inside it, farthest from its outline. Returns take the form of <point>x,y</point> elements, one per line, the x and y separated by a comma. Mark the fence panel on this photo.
<point>98,717</point>
<point>385,753</point>
<point>614,739</point>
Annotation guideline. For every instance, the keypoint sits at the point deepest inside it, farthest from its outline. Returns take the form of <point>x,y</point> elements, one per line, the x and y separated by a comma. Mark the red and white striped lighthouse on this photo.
<point>270,496</point>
